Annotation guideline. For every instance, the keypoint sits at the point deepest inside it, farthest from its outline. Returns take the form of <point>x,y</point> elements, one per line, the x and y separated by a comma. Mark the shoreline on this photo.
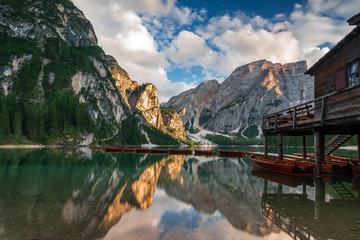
<point>28,146</point>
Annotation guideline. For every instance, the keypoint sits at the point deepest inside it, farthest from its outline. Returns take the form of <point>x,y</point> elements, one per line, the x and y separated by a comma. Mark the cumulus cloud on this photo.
<point>122,33</point>
<point>150,37</point>
<point>228,41</point>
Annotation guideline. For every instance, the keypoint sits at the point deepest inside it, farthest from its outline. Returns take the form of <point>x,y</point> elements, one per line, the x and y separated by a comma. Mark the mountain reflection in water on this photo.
<point>46,194</point>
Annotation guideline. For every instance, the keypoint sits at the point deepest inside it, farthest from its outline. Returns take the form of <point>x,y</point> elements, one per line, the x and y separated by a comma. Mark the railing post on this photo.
<point>322,110</point>
<point>276,122</point>
<point>264,123</point>
<point>294,119</point>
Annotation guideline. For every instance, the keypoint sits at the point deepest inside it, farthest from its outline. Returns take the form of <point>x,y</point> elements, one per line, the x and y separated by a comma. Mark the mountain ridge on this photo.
<point>238,103</point>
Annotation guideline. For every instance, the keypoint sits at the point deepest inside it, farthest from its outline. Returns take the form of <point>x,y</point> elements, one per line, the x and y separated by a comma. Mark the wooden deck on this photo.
<point>335,113</point>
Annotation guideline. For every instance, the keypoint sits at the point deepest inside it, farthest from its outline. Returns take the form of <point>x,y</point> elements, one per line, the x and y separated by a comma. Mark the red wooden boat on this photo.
<point>283,167</point>
<point>159,151</point>
<point>226,153</point>
<point>309,155</point>
<point>114,149</point>
<point>96,148</point>
<point>330,167</point>
<point>341,158</point>
<point>355,168</point>
<point>129,149</point>
<point>338,168</point>
<point>142,150</point>
<point>180,152</point>
<point>204,152</point>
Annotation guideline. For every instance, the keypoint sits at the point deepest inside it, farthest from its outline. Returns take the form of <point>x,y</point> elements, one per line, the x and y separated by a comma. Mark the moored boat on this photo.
<point>283,167</point>
<point>142,150</point>
<point>355,168</point>
<point>340,158</point>
<point>226,153</point>
<point>114,149</point>
<point>335,168</point>
<point>129,149</point>
<point>96,147</point>
<point>328,166</point>
<point>159,151</point>
<point>180,152</point>
<point>204,152</point>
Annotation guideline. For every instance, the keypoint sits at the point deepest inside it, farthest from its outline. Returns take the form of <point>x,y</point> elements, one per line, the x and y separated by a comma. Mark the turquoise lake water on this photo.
<point>52,194</point>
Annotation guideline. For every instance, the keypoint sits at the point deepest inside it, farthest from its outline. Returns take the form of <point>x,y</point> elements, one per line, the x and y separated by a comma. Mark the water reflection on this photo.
<point>54,195</point>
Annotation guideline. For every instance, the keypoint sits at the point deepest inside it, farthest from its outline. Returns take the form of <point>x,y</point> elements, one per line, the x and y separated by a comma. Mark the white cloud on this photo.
<point>334,8</point>
<point>187,47</point>
<point>239,39</point>
<point>123,34</point>
<point>313,30</point>
<point>143,35</point>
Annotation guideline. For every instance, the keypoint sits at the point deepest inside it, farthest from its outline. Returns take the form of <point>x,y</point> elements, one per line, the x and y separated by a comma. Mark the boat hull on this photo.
<point>129,149</point>
<point>204,153</point>
<point>282,167</point>
<point>180,152</point>
<point>159,151</point>
<point>236,154</point>
<point>96,148</point>
<point>142,150</point>
<point>114,149</point>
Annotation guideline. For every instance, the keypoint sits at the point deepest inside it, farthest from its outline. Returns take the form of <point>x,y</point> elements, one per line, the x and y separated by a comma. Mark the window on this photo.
<point>353,73</point>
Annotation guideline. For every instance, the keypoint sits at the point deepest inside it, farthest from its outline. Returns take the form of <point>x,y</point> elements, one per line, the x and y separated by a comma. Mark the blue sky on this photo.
<point>176,44</point>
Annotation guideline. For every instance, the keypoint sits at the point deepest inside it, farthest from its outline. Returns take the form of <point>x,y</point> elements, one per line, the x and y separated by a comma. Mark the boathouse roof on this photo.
<point>354,20</point>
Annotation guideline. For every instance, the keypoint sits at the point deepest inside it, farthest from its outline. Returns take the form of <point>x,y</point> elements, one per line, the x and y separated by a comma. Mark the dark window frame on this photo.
<point>353,79</point>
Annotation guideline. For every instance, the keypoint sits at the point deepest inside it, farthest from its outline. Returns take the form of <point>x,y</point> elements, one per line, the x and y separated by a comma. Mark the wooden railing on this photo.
<point>338,104</point>
<point>290,116</point>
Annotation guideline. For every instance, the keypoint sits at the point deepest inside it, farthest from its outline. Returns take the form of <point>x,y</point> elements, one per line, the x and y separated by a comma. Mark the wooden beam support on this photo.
<point>280,146</point>
<point>304,146</point>
<point>266,147</point>
<point>319,141</point>
<point>319,197</point>
<point>358,143</point>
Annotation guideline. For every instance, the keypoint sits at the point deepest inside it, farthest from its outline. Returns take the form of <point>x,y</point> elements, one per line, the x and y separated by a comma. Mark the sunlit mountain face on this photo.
<point>56,195</point>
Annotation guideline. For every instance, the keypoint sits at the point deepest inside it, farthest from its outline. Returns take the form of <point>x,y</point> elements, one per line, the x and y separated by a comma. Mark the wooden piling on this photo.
<point>266,146</point>
<point>319,142</point>
<point>280,146</point>
<point>304,146</point>
<point>358,143</point>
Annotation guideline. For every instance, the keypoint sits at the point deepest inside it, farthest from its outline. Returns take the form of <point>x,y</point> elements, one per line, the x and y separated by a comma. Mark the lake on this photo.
<point>53,194</point>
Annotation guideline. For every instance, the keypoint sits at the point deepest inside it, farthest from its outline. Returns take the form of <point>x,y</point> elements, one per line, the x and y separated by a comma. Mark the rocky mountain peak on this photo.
<point>37,20</point>
<point>239,102</point>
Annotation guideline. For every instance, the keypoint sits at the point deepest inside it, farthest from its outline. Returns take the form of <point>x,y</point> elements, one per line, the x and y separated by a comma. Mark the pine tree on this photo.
<point>17,125</point>
<point>4,120</point>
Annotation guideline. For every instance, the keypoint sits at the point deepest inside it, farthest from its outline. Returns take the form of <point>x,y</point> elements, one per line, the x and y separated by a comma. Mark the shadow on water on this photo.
<point>49,194</point>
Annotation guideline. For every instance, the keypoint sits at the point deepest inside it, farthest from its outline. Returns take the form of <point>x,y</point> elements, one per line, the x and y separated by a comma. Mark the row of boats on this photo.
<point>196,152</point>
<point>297,166</point>
<point>292,165</point>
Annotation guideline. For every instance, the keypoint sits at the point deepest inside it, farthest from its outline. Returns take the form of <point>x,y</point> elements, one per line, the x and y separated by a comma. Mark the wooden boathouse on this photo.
<point>335,109</point>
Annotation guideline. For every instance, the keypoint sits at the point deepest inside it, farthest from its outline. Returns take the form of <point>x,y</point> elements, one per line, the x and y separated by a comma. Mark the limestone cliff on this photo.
<point>173,124</point>
<point>238,103</point>
<point>123,82</point>
<point>144,99</point>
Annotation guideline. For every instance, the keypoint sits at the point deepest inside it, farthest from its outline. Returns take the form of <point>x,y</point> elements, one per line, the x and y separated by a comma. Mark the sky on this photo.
<point>177,44</point>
